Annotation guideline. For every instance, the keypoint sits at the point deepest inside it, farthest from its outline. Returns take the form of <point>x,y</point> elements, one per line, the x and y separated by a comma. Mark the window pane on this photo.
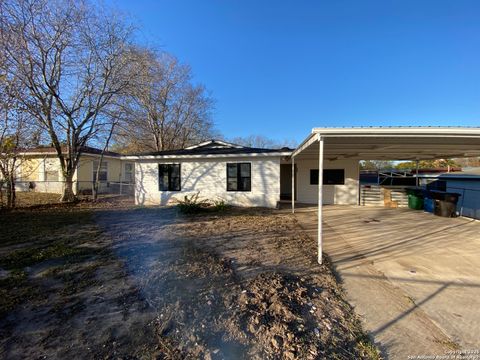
<point>334,177</point>
<point>174,174</point>
<point>245,184</point>
<point>51,175</point>
<point>163,177</point>
<point>245,170</point>
<point>232,184</point>
<point>232,170</point>
<point>103,174</point>
<point>175,184</point>
<point>313,176</point>
<point>330,177</point>
<point>175,170</point>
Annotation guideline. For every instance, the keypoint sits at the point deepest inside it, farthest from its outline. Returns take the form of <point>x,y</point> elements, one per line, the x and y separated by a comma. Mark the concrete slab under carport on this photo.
<point>414,278</point>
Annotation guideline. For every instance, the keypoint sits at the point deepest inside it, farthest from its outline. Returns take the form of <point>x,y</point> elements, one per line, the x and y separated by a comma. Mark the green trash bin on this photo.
<point>415,198</point>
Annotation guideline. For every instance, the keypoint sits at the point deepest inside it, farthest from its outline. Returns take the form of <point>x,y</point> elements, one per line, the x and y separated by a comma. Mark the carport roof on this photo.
<point>392,143</point>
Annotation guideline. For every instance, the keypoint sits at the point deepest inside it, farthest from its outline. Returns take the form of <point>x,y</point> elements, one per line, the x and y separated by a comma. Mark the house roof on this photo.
<point>213,148</point>
<point>470,174</point>
<point>392,143</point>
<point>47,150</point>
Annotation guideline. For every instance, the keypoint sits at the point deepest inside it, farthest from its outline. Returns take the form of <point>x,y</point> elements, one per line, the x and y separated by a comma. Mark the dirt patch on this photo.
<point>151,283</point>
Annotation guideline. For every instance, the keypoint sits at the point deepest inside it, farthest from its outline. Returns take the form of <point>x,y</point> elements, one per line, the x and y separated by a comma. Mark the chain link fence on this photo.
<point>80,187</point>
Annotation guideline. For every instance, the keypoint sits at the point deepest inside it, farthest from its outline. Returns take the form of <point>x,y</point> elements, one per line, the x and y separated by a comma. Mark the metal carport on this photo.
<point>384,143</point>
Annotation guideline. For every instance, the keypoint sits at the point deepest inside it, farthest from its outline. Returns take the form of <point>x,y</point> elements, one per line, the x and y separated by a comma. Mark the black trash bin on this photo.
<point>445,203</point>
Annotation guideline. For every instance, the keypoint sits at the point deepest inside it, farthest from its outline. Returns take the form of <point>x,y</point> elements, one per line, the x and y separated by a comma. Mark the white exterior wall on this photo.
<point>469,201</point>
<point>209,177</point>
<point>332,194</point>
<point>39,173</point>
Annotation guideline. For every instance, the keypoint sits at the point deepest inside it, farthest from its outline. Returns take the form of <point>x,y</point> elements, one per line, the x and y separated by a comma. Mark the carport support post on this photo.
<point>320,198</point>
<point>293,185</point>
<point>417,163</point>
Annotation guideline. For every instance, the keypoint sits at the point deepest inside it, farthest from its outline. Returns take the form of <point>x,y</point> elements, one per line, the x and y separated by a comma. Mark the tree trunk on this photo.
<point>11,194</point>
<point>1,194</point>
<point>95,189</point>
<point>68,194</point>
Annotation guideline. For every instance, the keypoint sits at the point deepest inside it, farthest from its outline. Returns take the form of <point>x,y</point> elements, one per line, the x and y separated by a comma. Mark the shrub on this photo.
<point>219,205</point>
<point>192,204</point>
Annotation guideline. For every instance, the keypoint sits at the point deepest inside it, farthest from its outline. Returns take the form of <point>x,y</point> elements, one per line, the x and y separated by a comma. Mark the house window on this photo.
<point>51,172</point>
<point>51,175</point>
<point>103,173</point>
<point>169,177</point>
<point>128,175</point>
<point>239,177</point>
<point>330,177</point>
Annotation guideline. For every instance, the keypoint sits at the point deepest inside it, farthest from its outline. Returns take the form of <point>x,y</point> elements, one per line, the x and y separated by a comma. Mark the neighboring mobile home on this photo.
<point>40,171</point>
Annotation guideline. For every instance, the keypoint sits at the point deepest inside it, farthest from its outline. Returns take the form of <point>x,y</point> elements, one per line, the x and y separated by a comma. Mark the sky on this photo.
<point>280,68</point>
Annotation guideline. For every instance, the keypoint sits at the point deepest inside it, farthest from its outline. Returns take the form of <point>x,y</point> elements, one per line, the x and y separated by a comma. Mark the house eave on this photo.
<point>206,156</point>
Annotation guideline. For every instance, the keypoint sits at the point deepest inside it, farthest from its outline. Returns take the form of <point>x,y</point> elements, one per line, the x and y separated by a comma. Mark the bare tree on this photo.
<point>73,58</point>
<point>166,111</point>
<point>260,141</point>
<point>376,165</point>
<point>468,162</point>
<point>15,131</point>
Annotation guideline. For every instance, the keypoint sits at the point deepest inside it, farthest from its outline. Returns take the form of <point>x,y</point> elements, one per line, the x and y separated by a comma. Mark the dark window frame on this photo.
<point>102,174</point>
<point>330,176</point>
<point>239,177</point>
<point>171,186</point>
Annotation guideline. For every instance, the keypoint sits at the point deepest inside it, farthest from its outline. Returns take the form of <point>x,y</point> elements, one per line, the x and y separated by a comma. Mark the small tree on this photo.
<point>73,60</point>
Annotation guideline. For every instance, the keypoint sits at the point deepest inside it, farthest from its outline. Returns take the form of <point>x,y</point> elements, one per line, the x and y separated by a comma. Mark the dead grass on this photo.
<point>26,199</point>
<point>38,200</point>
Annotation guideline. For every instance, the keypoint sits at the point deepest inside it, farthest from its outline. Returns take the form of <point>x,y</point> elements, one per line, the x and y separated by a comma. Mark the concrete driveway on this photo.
<point>414,278</point>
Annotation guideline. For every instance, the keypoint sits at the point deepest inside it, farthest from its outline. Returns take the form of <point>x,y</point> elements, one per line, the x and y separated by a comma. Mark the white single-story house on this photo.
<point>240,175</point>
<point>215,170</point>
